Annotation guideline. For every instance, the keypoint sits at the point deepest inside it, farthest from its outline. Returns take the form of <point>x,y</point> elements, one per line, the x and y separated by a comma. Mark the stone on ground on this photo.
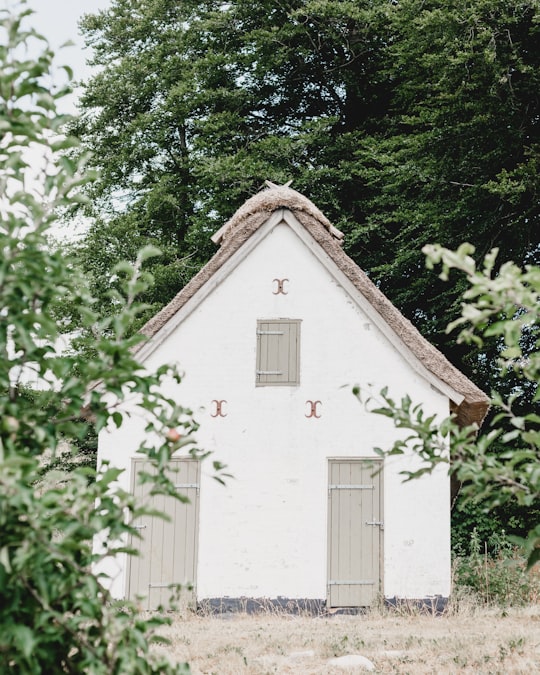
<point>352,661</point>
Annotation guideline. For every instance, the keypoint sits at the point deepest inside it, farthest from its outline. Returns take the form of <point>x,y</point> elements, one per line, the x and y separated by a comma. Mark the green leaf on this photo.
<point>117,419</point>
<point>24,639</point>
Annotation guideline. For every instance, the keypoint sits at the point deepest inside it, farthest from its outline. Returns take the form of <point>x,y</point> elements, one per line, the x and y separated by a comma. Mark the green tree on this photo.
<point>55,614</point>
<point>196,104</point>
<point>459,161</point>
<point>504,304</point>
<point>405,122</point>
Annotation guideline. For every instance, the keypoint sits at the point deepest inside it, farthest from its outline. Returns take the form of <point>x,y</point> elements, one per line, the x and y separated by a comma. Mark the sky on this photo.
<point>57,20</point>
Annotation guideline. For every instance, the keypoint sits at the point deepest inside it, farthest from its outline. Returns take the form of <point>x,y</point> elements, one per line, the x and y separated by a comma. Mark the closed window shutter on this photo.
<point>278,351</point>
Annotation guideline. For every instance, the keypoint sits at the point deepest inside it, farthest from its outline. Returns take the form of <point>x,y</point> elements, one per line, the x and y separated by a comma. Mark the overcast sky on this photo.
<point>57,20</point>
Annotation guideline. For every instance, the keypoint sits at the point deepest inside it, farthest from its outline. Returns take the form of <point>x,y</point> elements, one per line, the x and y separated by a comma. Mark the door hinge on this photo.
<point>361,582</point>
<point>269,372</point>
<point>270,332</point>
<point>335,486</point>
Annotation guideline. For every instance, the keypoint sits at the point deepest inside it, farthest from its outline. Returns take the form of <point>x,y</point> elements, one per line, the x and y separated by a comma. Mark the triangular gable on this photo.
<point>250,224</point>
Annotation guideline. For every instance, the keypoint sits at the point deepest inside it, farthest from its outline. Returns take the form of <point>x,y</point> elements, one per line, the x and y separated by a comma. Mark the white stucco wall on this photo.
<point>265,533</point>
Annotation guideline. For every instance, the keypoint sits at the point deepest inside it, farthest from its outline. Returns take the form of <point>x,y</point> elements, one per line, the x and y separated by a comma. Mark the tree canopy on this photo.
<point>406,123</point>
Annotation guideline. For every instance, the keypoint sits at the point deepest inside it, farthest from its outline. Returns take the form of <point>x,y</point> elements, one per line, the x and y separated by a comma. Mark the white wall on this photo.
<point>265,534</point>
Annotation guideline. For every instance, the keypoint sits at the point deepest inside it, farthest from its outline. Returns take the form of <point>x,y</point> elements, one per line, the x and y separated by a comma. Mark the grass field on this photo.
<point>470,640</point>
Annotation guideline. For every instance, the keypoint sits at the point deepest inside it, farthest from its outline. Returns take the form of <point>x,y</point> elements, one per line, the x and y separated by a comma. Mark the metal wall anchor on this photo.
<point>313,409</point>
<point>280,286</point>
<point>219,408</point>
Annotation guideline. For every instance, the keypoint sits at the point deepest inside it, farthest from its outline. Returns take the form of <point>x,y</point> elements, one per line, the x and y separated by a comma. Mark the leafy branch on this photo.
<point>502,463</point>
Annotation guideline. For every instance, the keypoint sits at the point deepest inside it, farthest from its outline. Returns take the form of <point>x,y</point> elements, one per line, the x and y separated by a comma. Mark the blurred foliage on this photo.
<point>56,615</point>
<point>498,466</point>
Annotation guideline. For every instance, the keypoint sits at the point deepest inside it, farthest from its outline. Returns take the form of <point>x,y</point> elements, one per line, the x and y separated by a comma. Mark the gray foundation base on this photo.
<point>433,606</point>
<point>262,606</point>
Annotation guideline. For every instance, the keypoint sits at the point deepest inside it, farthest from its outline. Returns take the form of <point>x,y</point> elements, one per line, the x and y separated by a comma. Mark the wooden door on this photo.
<point>167,548</point>
<point>355,532</point>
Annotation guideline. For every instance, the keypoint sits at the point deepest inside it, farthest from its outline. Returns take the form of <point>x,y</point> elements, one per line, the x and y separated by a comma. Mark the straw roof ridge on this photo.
<point>228,248</point>
<point>270,200</point>
<point>476,401</point>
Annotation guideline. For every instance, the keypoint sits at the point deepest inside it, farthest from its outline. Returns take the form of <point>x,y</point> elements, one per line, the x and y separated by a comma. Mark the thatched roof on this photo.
<point>253,214</point>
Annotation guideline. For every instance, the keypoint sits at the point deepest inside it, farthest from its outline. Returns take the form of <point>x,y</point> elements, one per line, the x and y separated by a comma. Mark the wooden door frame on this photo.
<point>356,459</point>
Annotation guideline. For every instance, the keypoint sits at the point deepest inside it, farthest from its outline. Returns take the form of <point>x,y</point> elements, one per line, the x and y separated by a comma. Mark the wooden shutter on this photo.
<point>278,352</point>
<point>355,532</point>
<point>167,548</point>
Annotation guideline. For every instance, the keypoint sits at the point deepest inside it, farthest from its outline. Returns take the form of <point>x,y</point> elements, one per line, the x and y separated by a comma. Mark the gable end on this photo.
<point>258,216</point>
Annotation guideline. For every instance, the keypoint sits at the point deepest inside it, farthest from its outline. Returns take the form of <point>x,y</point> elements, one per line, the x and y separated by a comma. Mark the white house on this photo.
<point>272,334</point>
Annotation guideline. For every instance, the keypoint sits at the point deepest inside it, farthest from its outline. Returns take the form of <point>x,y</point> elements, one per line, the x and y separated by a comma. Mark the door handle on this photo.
<point>380,523</point>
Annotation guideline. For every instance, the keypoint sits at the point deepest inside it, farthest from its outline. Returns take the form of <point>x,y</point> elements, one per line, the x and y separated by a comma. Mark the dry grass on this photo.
<point>471,640</point>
